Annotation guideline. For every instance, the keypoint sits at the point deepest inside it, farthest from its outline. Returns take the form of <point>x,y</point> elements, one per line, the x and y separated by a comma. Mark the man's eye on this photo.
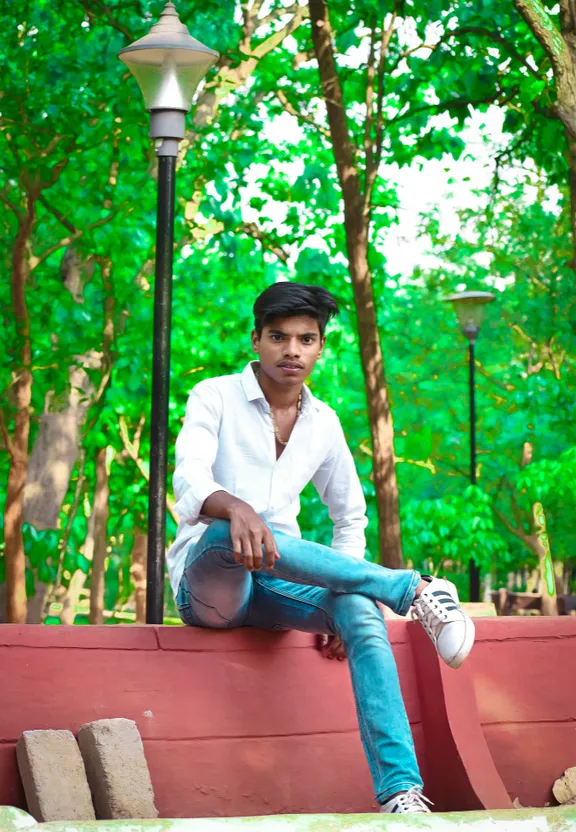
<point>307,340</point>
<point>276,337</point>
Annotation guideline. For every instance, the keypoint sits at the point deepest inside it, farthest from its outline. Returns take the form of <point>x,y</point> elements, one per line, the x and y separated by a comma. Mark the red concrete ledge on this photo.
<point>84,638</point>
<point>249,722</point>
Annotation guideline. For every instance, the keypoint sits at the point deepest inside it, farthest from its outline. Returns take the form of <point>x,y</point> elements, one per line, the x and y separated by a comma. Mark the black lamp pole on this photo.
<point>470,310</point>
<point>473,569</point>
<point>160,390</point>
<point>168,64</point>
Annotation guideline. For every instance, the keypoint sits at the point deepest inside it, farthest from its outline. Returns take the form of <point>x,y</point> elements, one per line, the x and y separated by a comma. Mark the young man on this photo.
<point>249,444</point>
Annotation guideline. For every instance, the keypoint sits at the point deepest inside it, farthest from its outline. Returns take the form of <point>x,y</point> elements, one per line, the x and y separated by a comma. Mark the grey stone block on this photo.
<point>117,770</point>
<point>53,776</point>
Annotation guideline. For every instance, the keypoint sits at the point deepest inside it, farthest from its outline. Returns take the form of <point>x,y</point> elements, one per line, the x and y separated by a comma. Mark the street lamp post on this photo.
<point>168,64</point>
<point>470,307</point>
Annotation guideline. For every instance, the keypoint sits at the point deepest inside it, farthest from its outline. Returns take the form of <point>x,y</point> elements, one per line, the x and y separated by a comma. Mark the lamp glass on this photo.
<point>168,78</point>
<point>470,307</point>
<point>168,63</point>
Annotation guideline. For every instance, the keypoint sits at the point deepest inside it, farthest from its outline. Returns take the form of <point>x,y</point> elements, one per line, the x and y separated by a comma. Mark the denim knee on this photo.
<point>357,615</point>
<point>217,534</point>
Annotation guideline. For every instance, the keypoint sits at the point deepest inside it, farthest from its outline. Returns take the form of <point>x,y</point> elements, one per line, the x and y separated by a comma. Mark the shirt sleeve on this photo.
<point>339,487</point>
<point>196,449</point>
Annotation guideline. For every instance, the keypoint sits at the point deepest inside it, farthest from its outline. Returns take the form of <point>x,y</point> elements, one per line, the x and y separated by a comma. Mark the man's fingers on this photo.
<point>247,553</point>
<point>271,549</point>
<point>237,547</point>
<point>321,641</point>
<point>331,647</point>
<point>256,541</point>
<point>337,649</point>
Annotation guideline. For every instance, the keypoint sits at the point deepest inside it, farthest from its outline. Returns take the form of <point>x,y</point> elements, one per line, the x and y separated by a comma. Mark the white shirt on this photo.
<point>227,443</point>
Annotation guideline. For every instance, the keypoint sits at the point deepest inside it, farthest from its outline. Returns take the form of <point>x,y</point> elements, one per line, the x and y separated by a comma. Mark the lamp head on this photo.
<point>168,63</point>
<point>469,307</point>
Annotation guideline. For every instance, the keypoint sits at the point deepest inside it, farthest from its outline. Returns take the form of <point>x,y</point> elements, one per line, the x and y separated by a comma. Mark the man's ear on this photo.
<point>322,345</point>
<point>255,341</point>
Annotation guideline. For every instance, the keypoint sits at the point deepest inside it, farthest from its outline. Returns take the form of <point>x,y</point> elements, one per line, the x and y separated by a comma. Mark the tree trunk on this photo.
<point>100,512</point>
<point>16,604</point>
<point>572,182</point>
<point>548,582</point>
<point>138,573</point>
<point>57,447</point>
<point>559,44</point>
<point>78,579</point>
<point>357,224</point>
<point>72,597</point>
<point>533,580</point>
<point>379,413</point>
<point>35,611</point>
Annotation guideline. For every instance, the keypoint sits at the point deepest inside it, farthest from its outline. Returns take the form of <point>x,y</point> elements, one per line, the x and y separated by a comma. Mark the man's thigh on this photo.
<point>214,590</point>
<point>282,605</point>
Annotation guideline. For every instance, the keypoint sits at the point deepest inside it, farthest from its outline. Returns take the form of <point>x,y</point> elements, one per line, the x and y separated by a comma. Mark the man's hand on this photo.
<point>331,647</point>
<point>249,536</point>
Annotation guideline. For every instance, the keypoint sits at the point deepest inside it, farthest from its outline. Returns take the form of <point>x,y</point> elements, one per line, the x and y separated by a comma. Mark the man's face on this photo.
<point>289,348</point>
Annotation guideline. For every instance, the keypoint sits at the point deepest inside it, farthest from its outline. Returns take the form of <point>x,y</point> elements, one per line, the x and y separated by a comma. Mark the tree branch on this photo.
<point>35,260</point>
<point>369,103</point>
<point>58,214</point>
<point>342,144</point>
<point>454,104</point>
<point>519,533</point>
<point>53,591</point>
<point>304,117</point>
<point>276,13</point>
<point>372,171</point>
<point>497,38</point>
<point>559,53</point>
<point>250,15</point>
<point>252,230</point>
<point>64,242</point>
<point>16,211</point>
<point>548,36</point>
<point>132,450</point>
<point>276,38</point>
<point>96,9</point>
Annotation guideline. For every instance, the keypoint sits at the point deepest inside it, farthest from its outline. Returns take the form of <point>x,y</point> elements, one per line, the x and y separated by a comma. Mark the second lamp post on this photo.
<point>168,65</point>
<point>469,307</point>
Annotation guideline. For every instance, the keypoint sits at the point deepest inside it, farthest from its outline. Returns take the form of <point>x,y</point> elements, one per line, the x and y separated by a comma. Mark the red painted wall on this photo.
<point>524,674</point>
<point>248,722</point>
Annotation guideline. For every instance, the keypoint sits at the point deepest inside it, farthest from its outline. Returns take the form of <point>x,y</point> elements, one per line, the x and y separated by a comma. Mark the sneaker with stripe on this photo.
<point>450,629</point>
<point>411,802</point>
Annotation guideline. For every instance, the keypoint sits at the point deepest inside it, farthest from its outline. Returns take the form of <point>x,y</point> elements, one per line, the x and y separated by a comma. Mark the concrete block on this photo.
<point>117,770</point>
<point>53,776</point>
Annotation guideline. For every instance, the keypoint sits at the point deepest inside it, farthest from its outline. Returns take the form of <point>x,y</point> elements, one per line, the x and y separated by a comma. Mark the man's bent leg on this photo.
<point>312,564</point>
<point>356,619</point>
<point>215,591</point>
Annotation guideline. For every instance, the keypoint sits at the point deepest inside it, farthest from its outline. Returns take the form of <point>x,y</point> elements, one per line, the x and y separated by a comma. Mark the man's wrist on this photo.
<point>236,506</point>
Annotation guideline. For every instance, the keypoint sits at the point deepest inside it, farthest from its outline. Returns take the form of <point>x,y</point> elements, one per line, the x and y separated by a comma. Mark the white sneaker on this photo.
<point>411,802</point>
<point>451,630</point>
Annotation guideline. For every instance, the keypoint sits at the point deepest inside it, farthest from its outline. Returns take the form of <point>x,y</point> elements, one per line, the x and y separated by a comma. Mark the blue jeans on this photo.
<point>317,590</point>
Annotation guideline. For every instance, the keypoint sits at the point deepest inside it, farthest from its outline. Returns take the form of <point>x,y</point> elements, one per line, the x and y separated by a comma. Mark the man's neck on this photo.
<point>278,396</point>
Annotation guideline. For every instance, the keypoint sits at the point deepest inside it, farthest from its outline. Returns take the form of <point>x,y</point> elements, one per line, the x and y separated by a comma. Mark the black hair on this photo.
<point>287,299</point>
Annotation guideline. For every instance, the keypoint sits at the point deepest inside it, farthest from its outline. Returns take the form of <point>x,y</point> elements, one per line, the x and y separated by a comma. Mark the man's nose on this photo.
<point>292,347</point>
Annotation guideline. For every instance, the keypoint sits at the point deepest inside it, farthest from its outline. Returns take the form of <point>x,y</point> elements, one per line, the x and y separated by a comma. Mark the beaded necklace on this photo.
<point>274,425</point>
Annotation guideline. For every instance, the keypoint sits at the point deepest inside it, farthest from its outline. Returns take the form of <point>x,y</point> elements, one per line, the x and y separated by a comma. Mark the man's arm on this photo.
<point>248,531</point>
<point>196,450</point>
<point>199,495</point>
<point>340,490</point>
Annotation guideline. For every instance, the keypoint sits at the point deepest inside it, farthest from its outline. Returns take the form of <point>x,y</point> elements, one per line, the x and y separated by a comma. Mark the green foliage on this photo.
<point>72,121</point>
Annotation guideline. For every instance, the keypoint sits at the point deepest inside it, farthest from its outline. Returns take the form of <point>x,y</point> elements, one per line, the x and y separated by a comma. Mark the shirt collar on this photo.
<point>254,391</point>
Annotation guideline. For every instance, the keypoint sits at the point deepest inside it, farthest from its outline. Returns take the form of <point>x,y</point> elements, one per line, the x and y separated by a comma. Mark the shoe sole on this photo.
<point>466,647</point>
